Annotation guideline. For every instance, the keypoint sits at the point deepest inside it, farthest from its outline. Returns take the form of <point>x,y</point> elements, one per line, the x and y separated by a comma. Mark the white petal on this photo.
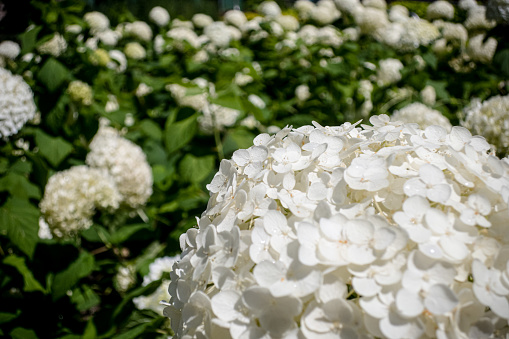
<point>366,287</point>
<point>274,222</point>
<point>409,304</point>
<point>440,299</point>
<point>431,174</point>
<point>359,231</point>
<point>317,191</point>
<point>223,305</point>
<point>439,193</point>
<point>267,273</point>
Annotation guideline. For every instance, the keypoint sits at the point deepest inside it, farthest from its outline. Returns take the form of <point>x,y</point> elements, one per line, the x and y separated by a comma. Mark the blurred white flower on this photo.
<point>80,92</point>
<point>135,51</point>
<point>74,29</point>
<point>288,22</point>
<point>159,16</point>
<point>109,37</point>
<point>97,21</point>
<point>421,114</point>
<point>302,92</point>
<point>112,104</point>
<point>143,90</point>
<point>71,198</point>
<point>440,9</point>
<point>9,49</point>
<point>17,104</point>
<point>428,95</point>
<point>153,301</point>
<point>158,267</point>
<point>139,29</point>
<point>181,34</point>
<point>235,17</point>
<point>482,51</point>
<point>269,9</point>
<point>126,164</point>
<point>389,71</point>
<point>201,20</point>
<point>119,61</point>
<point>476,19</point>
<point>55,46</point>
<point>256,101</point>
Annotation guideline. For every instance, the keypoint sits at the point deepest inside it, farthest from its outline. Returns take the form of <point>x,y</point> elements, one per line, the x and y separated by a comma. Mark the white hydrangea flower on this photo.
<point>72,196</point>
<point>217,117</point>
<point>235,17</point>
<point>17,104</point>
<point>44,230</point>
<point>119,60</point>
<point>143,90</point>
<point>135,51</point>
<point>158,267</point>
<point>55,46</point>
<point>81,92</point>
<point>325,14</point>
<point>197,101</point>
<point>97,21</point>
<point>421,114</point>
<point>153,300</point>
<point>74,29</point>
<point>288,22</point>
<point>389,71</point>
<point>181,34</point>
<point>159,16</point>
<point>428,95</point>
<point>138,29</point>
<point>347,231</point>
<point>440,9</point>
<point>398,13</point>
<point>256,101</point>
<point>112,104</point>
<point>302,92</point>
<point>201,20</point>
<point>218,33</point>
<point>481,51</point>
<point>269,9</point>
<point>9,49</point>
<point>125,162</point>
<point>109,37</point>
<point>476,19</point>
<point>304,7</point>
<point>491,118</point>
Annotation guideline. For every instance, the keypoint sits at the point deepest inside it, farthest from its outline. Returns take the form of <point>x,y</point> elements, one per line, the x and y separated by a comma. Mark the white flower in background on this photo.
<point>371,20</point>
<point>44,230</point>
<point>325,12</point>
<point>467,4</point>
<point>389,72</point>
<point>256,101</point>
<point>71,198</point>
<point>242,79</point>
<point>304,7</point>
<point>80,92</point>
<point>135,51</point>
<point>349,6</point>
<point>17,104</point>
<point>201,20</point>
<point>429,95</point>
<point>9,49</point>
<point>109,37</point>
<point>55,46</point>
<point>217,117</point>
<point>74,29</point>
<point>182,23</point>
<point>302,92</point>
<point>112,104</point>
<point>452,31</point>
<point>153,300</point>
<point>269,9</point>
<point>378,4</point>
<point>97,21</point>
<point>288,22</point>
<point>119,61</point>
<point>139,29</point>
<point>250,122</point>
<point>158,267</point>
<point>235,17</point>
<point>125,162</point>
<point>159,16</point>
<point>196,101</point>
<point>476,19</point>
<point>143,90</point>
<point>347,231</point>
<point>181,34</point>
<point>440,9</point>
<point>491,118</point>
<point>218,33</point>
<point>125,278</point>
<point>421,114</point>
<point>498,10</point>
<point>481,51</point>
<point>398,13</point>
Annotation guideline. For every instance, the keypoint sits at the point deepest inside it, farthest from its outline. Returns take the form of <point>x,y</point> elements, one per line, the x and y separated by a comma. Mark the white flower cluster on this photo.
<point>491,119</point>
<point>9,49</point>
<point>16,103</point>
<point>125,162</point>
<point>71,198</point>
<point>55,46</point>
<point>386,231</point>
<point>422,115</point>
<point>389,72</point>
<point>156,270</point>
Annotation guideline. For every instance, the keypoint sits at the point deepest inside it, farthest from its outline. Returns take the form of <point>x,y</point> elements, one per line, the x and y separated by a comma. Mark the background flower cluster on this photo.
<point>113,128</point>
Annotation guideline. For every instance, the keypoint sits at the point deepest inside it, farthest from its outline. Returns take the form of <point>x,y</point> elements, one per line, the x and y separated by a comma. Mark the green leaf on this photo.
<point>134,333</point>
<point>6,317</point>
<point>19,186</point>
<point>502,60</point>
<point>151,129</point>
<point>31,284</point>
<point>90,331</point>
<point>28,39</point>
<point>20,221</point>
<point>237,139</point>
<point>84,299</point>
<point>126,232</point>
<point>65,280</point>
<point>96,233</point>
<point>195,169</point>
<point>440,88</point>
<point>53,149</point>
<point>228,99</point>
<point>22,333</point>
<point>178,134</point>
<point>431,60</point>
<point>53,73</point>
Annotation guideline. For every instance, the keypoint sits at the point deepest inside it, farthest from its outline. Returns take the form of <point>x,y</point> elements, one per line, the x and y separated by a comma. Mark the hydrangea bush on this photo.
<point>387,231</point>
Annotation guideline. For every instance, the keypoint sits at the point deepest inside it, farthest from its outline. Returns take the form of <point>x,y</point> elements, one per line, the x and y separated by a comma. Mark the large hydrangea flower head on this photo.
<point>71,198</point>
<point>16,103</point>
<point>384,230</point>
<point>125,162</point>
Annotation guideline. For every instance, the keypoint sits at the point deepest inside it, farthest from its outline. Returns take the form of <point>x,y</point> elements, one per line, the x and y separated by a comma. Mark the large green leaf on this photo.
<point>84,298</point>
<point>195,169</point>
<point>19,186</point>
<point>28,39</point>
<point>65,280</point>
<point>31,284</point>
<point>6,317</point>
<point>22,333</point>
<point>126,232</point>
<point>180,133</point>
<point>53,73</point>
<point>53,149</point>
<point>20,221</point>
